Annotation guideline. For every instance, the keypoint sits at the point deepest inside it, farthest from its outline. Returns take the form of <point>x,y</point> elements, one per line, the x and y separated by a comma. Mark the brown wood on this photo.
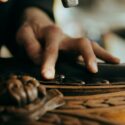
<point>87,105</point>
<point>97,100</point>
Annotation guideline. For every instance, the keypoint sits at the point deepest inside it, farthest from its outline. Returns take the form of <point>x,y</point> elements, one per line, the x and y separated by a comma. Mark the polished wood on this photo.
<point>66,100</point>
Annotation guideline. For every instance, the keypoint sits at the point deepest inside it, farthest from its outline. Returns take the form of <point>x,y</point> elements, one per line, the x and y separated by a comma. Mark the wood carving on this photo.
<point>66,100</point>
<point>24,96</point>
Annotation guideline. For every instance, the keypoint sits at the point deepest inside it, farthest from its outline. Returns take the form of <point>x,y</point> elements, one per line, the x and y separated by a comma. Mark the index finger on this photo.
<point>50,54</point>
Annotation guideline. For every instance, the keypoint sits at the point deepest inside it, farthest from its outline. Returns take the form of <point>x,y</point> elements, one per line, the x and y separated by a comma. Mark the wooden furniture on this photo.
<point>74,97</point>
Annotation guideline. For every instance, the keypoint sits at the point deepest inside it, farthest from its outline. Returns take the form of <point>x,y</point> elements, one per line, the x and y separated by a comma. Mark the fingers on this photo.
<point>3,1</point>
<point>26,37</point>
<point>86,50</point>
<point>52,40</point>
<point>103,54</point>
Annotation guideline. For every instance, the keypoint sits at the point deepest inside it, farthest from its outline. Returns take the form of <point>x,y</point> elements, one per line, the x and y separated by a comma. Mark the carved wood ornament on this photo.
<point>27,101</point>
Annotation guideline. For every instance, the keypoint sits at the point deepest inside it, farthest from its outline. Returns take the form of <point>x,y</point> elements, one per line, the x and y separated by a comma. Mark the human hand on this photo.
<point>42,40</point>
<point>2,1</point>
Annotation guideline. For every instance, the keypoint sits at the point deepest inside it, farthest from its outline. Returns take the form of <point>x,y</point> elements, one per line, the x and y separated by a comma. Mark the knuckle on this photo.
<point>96,47</point>
<point>94,44</point>
<point>24,28</point>
<point>22,33</point>
<point>54,29</point>
<point>83,43</point>
<point>51,49</point>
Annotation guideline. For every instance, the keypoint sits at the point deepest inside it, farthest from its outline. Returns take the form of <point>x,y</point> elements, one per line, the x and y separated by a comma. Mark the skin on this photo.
<point>37,26</point>
<point>3,1</point>
<point>42,40</point>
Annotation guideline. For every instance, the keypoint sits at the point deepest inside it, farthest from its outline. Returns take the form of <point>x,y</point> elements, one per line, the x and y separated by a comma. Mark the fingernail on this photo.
<point>117,60</point>
<point>48,74</point>
<point>93,67</point>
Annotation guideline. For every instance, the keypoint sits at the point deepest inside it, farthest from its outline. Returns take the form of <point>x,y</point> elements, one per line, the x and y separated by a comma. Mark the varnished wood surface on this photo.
<point>88,99</point>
